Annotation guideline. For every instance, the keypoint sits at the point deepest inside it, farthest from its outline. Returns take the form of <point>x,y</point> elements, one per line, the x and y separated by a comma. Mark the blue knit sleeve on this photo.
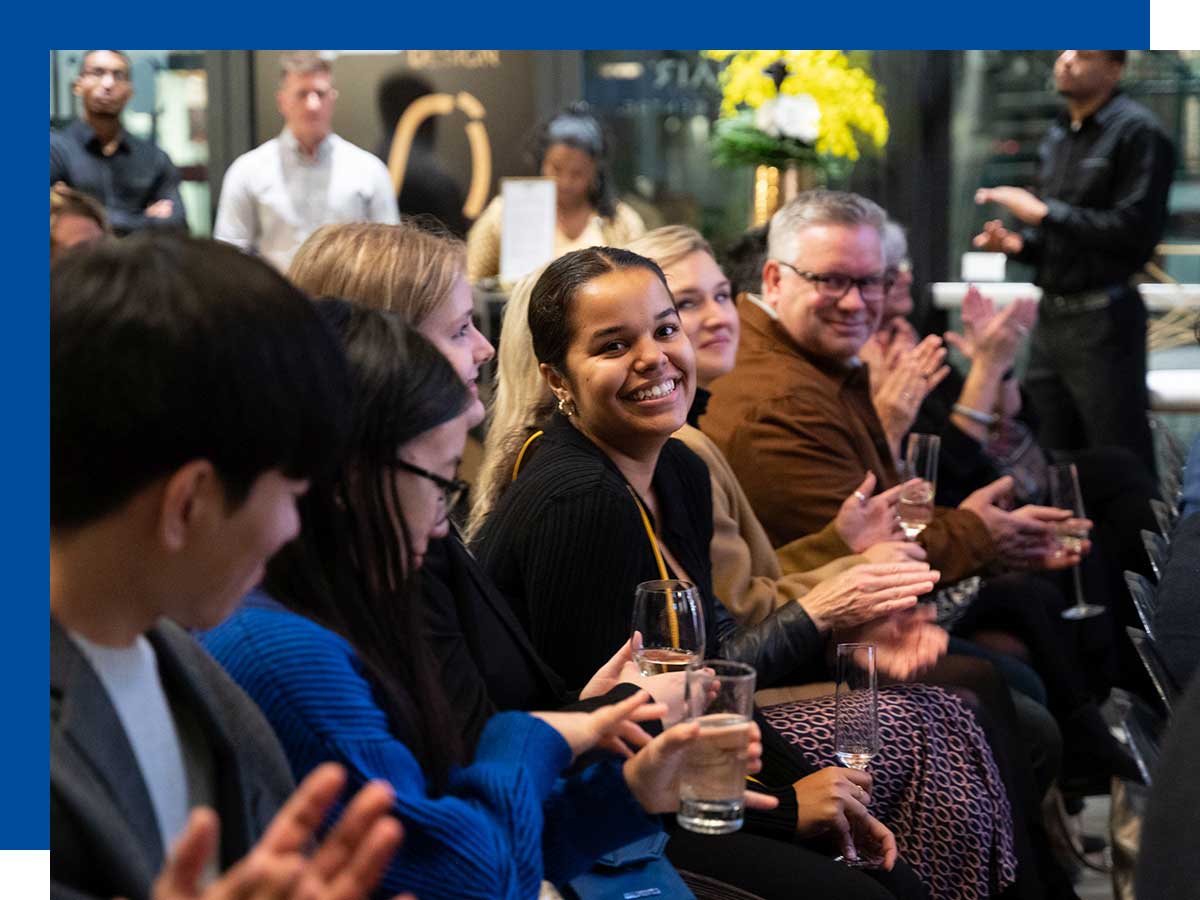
<point>481,838</point>
<point>587,815</point>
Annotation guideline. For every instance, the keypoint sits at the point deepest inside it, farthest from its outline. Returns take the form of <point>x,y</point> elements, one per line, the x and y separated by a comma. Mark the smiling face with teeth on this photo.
<point>831,329</point>
<point>630,369</point>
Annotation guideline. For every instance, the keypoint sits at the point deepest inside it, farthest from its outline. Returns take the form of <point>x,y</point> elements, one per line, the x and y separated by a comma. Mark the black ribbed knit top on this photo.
<point>566,545</point>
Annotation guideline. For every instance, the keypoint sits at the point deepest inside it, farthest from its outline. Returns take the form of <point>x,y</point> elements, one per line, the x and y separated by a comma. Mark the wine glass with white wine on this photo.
<point>1065,494</point>
<point>920,462</point>
<point>671,621</point>
<point>856,722</point>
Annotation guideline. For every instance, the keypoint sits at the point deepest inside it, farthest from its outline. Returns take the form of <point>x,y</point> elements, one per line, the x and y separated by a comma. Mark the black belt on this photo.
<point>1083,301</point>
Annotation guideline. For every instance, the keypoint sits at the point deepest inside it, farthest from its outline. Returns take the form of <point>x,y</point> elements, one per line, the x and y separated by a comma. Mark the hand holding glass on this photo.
<point>856,720</point>
<point>916,500</point>
<point>1065,494</point>
<point>720,698</point>
<point>671,621</point>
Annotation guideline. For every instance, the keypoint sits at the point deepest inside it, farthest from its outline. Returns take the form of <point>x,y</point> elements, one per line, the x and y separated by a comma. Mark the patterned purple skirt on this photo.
<point>936,785</point>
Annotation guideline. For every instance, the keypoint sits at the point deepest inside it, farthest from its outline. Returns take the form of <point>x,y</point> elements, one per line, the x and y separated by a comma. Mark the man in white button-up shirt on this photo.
<point>279,193</point>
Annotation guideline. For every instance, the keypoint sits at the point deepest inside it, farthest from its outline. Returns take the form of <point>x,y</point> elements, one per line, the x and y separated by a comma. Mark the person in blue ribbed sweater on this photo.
<point>335,657</point>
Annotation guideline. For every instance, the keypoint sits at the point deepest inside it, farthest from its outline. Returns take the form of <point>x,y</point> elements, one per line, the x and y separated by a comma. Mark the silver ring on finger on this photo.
<point>860,496</point>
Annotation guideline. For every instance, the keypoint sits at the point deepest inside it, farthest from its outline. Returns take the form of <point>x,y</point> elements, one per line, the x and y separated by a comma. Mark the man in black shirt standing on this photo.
<point>134,179</point>
<point>1106,168</point>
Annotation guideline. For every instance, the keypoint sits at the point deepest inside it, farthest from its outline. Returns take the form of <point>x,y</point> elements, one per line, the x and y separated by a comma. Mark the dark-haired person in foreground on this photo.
<point>75,218</point>
<point>134,179</point>
<point>1105,173</point>
<point>193,393</point>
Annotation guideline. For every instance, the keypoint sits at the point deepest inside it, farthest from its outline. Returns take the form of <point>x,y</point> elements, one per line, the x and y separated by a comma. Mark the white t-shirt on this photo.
<point>130,677</point>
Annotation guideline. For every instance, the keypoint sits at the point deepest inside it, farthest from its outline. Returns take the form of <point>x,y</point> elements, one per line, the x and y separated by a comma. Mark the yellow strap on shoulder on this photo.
<point>672,615</point>
<point>521,455</point>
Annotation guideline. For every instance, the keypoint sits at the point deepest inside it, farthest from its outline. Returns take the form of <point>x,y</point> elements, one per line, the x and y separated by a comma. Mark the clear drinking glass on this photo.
<point>856,721</point>
<point>916,502</point>
<point>1065,494</point>
<point>671,620</point>
<point>720,697</point>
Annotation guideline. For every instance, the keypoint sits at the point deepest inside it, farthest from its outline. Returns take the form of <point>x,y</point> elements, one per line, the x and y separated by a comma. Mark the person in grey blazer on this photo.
<point>193,391</point>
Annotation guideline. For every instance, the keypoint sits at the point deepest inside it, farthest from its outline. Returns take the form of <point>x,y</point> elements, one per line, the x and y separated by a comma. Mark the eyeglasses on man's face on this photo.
<point>452,489</point>
<point>833,286</point>
<point>99,73</point>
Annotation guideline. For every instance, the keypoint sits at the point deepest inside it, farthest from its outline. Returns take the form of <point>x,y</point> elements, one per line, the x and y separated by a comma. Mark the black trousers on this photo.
<point>780,870</point>
<point>1087,377</point>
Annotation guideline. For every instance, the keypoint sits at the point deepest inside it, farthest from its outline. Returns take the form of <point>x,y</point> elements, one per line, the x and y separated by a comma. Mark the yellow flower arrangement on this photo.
<point>774,101</point>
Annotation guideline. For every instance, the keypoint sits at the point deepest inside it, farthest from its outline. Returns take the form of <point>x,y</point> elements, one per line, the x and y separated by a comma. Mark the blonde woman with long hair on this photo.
<point>420,275</point>
<point>520,400</point>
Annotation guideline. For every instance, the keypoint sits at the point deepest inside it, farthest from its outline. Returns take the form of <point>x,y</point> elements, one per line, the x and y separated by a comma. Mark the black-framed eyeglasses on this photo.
<point>452,489</point>
<point>833,286</point>
<point>98,73</point>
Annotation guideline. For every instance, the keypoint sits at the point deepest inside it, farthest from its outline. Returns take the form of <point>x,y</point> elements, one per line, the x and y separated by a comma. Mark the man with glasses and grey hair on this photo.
<point>135,180</point>
<point>795,417</point>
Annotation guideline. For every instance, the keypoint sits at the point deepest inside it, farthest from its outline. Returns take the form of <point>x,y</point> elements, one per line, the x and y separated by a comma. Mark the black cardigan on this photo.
<point>566,545</point>
<point>487,662</point>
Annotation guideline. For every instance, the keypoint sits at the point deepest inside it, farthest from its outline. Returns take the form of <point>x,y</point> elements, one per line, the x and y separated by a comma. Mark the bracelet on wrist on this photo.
<point>980,418</point>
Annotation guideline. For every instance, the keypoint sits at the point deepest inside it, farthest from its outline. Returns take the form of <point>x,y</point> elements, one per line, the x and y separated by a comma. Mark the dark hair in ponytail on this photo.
<point>553,295</point>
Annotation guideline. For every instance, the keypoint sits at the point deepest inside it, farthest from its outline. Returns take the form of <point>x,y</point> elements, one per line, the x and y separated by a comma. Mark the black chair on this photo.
<point>1165,515</point>
<point>1144,601</point>
<point>1156,549</point>
<point>1156,668</point>
<point>1169,454</point>
<point>1143,730</point>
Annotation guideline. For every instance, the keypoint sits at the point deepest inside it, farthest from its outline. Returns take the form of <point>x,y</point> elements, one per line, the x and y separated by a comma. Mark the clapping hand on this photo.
<point>346,866</point>
<point>901,392</point>
<point>867,591</point>
<point>613,727</point>
<point>1023,204</point>
<point>907,643</point>
<point>995,337</point>
<point>995,238</point>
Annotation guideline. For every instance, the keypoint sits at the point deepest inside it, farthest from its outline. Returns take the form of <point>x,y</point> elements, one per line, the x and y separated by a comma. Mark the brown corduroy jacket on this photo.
<point>801,433</point>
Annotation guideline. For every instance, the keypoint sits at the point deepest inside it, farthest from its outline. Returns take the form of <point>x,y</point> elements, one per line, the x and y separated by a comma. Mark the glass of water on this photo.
<point>856,721</point>
<point>671,620</point>
<point>720,697</point>
<point>916,500</point>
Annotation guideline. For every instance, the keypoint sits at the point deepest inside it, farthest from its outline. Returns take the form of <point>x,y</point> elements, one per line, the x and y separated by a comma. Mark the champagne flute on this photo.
<point>916,501</point>
<point>671,621</point>
<point>856,721</point>
<point>1065,494</point>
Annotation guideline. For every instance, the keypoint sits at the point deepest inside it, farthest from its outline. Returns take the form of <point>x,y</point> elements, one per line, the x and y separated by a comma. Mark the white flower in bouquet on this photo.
<point>790,115</point>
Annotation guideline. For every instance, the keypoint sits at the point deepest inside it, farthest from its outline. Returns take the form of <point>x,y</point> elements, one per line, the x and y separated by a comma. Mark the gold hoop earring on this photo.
<point>566,406</point>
